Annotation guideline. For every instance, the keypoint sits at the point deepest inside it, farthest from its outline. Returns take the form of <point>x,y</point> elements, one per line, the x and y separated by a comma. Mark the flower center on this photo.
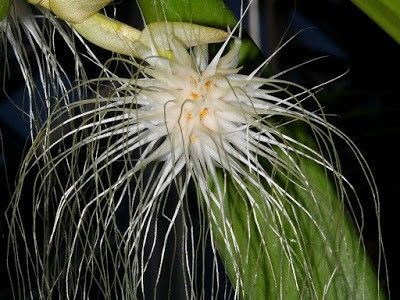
<point>195,108</point>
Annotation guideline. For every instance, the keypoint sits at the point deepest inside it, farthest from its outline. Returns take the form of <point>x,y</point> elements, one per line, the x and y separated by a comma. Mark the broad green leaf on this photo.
<point>386,13</point>
<point>4,8</point>
<point>210,12</point>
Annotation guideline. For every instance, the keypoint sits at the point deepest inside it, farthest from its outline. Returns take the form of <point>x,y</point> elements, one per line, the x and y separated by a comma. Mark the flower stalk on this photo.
<point>121,38</point>
<point>73,11</point>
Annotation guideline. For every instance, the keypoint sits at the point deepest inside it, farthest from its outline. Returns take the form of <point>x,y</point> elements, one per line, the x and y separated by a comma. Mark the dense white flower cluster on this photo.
<point>208,116</point>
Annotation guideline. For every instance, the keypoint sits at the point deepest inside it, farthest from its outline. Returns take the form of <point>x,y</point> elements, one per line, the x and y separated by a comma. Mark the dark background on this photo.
<point>365,103</point>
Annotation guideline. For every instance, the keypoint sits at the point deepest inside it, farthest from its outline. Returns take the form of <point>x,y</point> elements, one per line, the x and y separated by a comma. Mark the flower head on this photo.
<point>200,109</point>
<point>197,115</point>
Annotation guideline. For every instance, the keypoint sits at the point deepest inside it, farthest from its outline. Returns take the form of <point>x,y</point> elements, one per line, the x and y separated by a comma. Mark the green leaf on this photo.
<point>4,9</point>
<point>386,13</point>
<point>210,13</point>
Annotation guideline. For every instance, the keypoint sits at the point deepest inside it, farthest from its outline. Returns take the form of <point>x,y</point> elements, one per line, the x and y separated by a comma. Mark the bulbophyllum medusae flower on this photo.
<point>103,169</point>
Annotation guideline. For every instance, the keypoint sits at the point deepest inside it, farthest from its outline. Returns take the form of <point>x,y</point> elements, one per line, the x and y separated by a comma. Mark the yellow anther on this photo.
<point>208,84</point>
<point>193,138</point>
<point>203,113</point>
<point>194,96</point>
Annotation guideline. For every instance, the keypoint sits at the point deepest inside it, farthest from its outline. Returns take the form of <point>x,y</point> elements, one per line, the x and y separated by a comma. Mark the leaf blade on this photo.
<point>385,13</point>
